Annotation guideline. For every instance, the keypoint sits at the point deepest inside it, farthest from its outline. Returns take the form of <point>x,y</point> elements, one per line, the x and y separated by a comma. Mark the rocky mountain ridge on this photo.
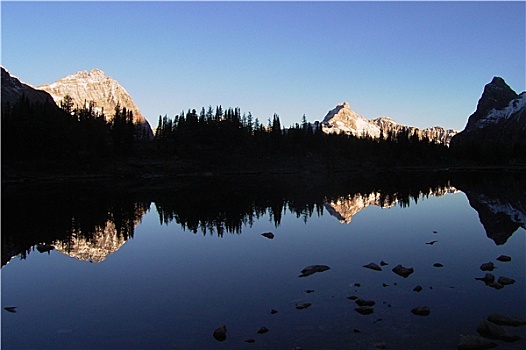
<point>13,88</point>
<point>95,87</point>
<point>498,125</point>
<point>342,119</point>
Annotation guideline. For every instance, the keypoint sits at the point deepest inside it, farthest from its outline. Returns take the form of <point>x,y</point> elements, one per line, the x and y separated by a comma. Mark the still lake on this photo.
<point>136,266</point>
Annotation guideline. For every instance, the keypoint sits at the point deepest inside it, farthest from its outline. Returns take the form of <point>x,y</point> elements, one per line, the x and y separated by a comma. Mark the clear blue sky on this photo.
<point>420,63</point>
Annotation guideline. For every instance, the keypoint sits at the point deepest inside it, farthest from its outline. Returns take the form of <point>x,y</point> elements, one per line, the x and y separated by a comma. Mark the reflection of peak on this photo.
<point>499,217</point>
<point>500,201</point>
<point>105,241</point>
<point>345,207</point>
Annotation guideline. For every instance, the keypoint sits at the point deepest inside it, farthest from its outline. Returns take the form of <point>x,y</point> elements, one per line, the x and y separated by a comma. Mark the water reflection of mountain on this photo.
<point>91,221</point>
<point>87,222</point>
<point>499,199</point>
<point>345,207</point>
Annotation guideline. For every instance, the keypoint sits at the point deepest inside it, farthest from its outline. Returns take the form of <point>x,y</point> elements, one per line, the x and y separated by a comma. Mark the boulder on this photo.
<point>421,311</point>
<point>312,269</point>
<point>501,320</point>
<point>373,266</point>
<point>220,333</point>
<point>403,271</point>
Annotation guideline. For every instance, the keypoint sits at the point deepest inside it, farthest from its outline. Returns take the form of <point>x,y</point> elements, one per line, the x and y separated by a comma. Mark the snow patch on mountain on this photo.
<point>497,115</point>
<point>343,119</point>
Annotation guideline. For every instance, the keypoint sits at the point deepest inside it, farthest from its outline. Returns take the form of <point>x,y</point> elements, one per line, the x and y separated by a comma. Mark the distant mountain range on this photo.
<point>343,119</point>
<point>499,122</point>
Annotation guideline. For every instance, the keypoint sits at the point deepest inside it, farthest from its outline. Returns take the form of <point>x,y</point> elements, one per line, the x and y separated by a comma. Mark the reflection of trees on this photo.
<point>71,218</point>
<point>219,205</point>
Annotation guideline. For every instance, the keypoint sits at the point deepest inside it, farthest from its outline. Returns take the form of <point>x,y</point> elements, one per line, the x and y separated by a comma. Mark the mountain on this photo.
<point>343,119</point>
<point>498,126</point>
<point>94,86</point>
<point>13,89</point>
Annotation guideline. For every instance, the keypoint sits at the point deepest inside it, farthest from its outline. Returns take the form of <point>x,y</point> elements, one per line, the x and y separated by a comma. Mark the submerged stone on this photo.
<point>364,310</point>
<point>403,271</point>
<point>495,285</point>
<point>473,342</point>
<point>489,266</point>
<point>302,306</point>
<point>417,288</point>
<point>504,258</point>
<point>363,302</point>
<point>220,333</point>
<point>263,330</point>
<point>268,235</point>
<point>373,266</point>
<point>491,330</point>
<point>488,278</point>
<point>312,269</point>
<point>505,280</point>
<point>505,321</point>
<point>421,311</point>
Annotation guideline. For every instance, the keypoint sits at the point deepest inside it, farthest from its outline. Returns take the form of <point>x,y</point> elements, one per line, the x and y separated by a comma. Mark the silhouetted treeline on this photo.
<point>61,214</point>
<point>41,131</point>
<point>213,132</point>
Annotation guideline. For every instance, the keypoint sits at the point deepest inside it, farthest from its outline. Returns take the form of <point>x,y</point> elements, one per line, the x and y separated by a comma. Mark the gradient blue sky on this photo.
<point>420,63</point>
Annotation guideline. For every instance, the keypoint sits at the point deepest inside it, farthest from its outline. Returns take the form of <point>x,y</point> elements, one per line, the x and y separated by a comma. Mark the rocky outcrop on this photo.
<point>95,87</point>
<point>13,89</point>
<point>343,119</point>
<point>497,129</point>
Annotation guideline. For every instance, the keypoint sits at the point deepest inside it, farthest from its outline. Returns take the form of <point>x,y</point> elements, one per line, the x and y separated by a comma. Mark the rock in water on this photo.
<point>309,270</point>
<point>373,266</point>
<point>302,306</point>
<point>421,311</point>
<point>363,302</point>
<point>473,342</point>
<point>364,310</point>
<point>487,266</point>
<point>506,321</point>
<point>418,288</point>
<point>268,235</point>
<point>263,330</point>
<point>220,333</point>
<point>438,265</point>
<point>489,329</point>
<point>10,309</point>
<point>383,263</point>
<point>487,279</point>
<point>504,258</point>
<point>403,271</point>
<point>505,280</point>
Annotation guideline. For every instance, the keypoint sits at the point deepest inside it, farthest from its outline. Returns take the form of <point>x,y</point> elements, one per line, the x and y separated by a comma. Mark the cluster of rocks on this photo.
<point>489,278</point>
<point>491,328</point>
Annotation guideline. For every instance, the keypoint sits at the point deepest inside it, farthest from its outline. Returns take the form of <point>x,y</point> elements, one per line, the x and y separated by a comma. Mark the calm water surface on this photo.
<point>164,269</point>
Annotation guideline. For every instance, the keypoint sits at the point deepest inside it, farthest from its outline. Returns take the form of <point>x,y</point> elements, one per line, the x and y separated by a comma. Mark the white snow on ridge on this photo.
<point>496,115</point>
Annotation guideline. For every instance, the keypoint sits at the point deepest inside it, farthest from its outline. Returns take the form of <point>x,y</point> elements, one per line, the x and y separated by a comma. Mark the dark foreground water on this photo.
<point>162,267</point>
